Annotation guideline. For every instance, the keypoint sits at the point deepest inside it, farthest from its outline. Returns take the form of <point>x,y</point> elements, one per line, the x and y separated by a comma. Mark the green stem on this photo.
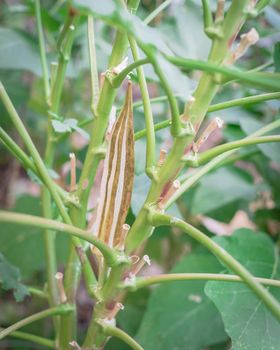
<point>142,282</point>
<point>176,127</point>
<point>215,151</point>
<point>149,121</point>
<point>232,264</point>
<point>33,152</point>
<point>268,81</point>
<point>92,64</point>
<point>207,15</point>
<point>192,180</point>
<point>42,49</point>
<point>110,255</point>
<point>206,90</point>
<point>244,101</point>
<point>20,155</point>
<point>118,333</point>
<point>157,11</point>
<point>54,311</point>
<point>34,339</point>
<point>37,292</point>
<point>117,80</point>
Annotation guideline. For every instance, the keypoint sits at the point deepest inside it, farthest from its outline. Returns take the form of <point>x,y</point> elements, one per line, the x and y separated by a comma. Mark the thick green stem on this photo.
<point>54,311</point>
<point>142,282</point>
<point>203,95</point>
<point>232,264</point>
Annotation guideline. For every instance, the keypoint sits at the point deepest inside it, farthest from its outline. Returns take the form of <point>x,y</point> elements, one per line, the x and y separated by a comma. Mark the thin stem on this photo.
<point>42,49</point>
<point>193,179</point>
<point>117,80</point>
<point>215,151</point>
<point>149,121</point>
<point>118,333</point>
<point>33,338</point>
<point>57,310</point>
<point>157,11</point>
<point>10,144</point>
<point>268,81</point>
<point>35,221</point>
<point>176,126</point>
<point>37,292</point>
<point>172,277</point>
<point>244,101</point>
<point>232,264</point>
<point>92,64</point>
<point>207,15</point>
<point>33,151</point>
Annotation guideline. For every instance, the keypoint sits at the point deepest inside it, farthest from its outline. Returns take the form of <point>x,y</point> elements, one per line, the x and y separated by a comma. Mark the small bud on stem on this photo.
<point>72,172</point>
<point>215,124</point>
<point>59,280</point>
<point>175,185</point>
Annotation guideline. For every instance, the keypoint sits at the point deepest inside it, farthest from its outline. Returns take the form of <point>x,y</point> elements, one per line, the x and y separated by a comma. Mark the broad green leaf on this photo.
<point>247,321</point>
<point>17,51</point>
<point>140,190</point>
<point>179,315</point>
<point>10,279</point>
<point>24,246</point>
<point>68,125</point>
<point>222,187</point>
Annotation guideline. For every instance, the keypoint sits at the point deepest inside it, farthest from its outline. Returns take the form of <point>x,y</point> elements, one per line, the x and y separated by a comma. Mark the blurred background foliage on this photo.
<point>243,193</point>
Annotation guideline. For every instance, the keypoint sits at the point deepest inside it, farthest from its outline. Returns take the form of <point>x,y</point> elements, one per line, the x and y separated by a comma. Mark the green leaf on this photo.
<point>140,190</point>
<point>179,315</point>
<point>247,321</point>
<point>24,246</point>
<point>276,56</point>
<point>68,125</point>
<point>222,187</point>
<point>10,279</point>
<point>18,51</point>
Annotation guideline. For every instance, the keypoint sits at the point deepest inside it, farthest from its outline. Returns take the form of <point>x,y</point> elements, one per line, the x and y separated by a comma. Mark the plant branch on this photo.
<point>157,11</point>
<point>37,292</point>
<point>110,255</point>
<point>204,157</point>
<point>271,303</point>
<point>42,49</point>
<point>93,64</point>
<point>142,282</point>
<point>192,180</point>
<point>266,80</point>
<point>118,79</point>
<point>149,121</point>
<point>118,333</point>
<point>54,311</point>
<point>33,338</point>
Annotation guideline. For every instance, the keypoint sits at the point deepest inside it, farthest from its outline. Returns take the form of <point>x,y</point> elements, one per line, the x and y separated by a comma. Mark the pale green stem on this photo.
<point>207,15</point>
<point>118,79</point>
<point>37,292</point>
<point>149,121</point>
<point>118,333</point>
<point>157,11</point>
<point>193,179</point>
<point>268,81</point>
<point>232,264</point>
<point>35,221</point>
<point>33,338</point>
<point>172,277</point>
<point>42,49</point>
<point>33,152</point>
<point>54,311</point>
<point>204,157</point>
<point>244,101</point>
<point>92,64</point>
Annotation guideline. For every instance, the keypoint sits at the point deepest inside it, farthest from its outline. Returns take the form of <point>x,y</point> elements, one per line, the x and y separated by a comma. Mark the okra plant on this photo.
<point>169,139</point>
